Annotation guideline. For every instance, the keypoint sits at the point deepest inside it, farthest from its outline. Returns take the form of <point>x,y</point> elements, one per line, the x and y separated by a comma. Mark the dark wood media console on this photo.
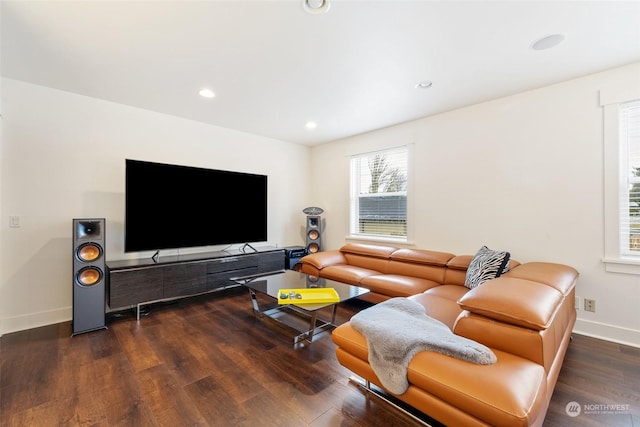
<point>138,281</point>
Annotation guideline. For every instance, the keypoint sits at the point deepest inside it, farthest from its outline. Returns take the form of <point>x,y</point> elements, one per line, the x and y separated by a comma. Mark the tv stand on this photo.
<point>134,282</point>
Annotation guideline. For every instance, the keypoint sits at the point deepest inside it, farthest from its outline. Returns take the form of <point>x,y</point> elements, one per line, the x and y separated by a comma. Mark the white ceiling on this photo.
<point>274,67</point>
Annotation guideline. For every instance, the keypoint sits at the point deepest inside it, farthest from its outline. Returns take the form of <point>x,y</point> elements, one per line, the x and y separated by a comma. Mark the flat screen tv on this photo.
<point>171,207</point>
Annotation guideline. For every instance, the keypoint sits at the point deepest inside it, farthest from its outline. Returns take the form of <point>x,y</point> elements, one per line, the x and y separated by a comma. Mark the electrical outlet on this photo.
<point>590,305</point>
<point>14,221</point>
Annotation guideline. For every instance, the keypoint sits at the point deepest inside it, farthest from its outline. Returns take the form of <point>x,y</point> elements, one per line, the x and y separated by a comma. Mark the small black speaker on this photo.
<point>292,255</point>
<point>89,275</point>
<point>313,234</point>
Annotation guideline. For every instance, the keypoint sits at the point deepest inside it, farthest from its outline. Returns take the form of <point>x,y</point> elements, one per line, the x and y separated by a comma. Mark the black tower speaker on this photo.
<point>313,233</point>
<point>89,275</point>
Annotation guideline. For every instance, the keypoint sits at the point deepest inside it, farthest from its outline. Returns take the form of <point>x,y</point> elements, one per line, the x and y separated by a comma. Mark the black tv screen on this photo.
<point>171,207</point>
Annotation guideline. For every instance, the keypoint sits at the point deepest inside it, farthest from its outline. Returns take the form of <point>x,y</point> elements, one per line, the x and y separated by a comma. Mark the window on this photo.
<point>629,195</point>
<point>378,206</point>
<point>621,104</point>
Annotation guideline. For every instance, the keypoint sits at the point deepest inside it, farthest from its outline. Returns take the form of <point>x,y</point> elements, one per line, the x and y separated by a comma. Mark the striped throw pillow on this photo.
<point>487,264</point>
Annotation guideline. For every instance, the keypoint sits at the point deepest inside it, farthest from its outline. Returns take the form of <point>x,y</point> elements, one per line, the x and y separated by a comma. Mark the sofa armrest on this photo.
<point>320,260</point>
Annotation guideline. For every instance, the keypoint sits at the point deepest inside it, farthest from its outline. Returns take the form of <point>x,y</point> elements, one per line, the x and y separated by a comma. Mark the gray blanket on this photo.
<point>398,329</point>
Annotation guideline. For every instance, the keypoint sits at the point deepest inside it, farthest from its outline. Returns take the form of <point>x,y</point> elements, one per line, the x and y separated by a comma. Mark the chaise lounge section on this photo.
<point>524,316</point>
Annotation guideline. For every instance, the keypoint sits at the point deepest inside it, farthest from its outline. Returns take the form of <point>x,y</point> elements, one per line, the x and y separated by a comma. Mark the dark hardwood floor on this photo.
<point>207,361</point>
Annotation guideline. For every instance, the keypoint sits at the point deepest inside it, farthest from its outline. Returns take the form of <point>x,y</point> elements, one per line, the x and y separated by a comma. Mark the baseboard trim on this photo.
<point>603,331</point>
<point>35,320</point>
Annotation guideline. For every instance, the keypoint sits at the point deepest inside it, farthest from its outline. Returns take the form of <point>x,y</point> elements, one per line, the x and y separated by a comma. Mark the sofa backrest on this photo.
<point>373,257</point>
<point>425,264</point>
<point>529,311</point>
<point>440,267</point>
<point>457,270</point>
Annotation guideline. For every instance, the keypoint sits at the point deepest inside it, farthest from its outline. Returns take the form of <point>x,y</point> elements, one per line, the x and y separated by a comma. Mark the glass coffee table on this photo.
<point>302,319</point>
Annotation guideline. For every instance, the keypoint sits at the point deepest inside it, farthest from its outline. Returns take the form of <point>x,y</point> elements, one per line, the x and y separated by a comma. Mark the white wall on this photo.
<point>1,149</point>
<point>522,173</point>
<point>63,158</point>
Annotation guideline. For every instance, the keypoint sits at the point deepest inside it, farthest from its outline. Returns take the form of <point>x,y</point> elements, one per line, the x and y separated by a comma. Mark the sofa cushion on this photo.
<point>456,271</point>
<point>378,251</point>
<point>441,302</point>
<point>558,276</point>
<point>511,392</point>
<point>459,262</point>
<point>351,341</point>
<point>422,256</point>
<point>345,273</point>
<point>517,387</point>
<point>394,285</point>
<point>487,264</point>
<point>516,301</point>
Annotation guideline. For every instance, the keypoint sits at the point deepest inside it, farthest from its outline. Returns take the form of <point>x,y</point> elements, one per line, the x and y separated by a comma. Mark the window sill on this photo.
<point>625,266</point>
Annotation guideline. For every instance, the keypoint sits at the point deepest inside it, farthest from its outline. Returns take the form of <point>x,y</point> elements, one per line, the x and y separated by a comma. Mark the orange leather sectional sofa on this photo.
<point>525,317</point>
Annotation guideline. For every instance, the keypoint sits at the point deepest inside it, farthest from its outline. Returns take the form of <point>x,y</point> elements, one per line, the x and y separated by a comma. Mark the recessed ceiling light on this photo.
<point>311,125</point>
<point>425,84</point>
<point>207,93</point>
<point>316,7</point>
<point>548,42</point>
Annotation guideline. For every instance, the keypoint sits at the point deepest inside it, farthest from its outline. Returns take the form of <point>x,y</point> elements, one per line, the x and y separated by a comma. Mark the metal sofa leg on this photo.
<point>370,389</point>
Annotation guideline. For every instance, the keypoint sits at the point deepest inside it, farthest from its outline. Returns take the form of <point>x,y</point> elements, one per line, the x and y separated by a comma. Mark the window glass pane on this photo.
<point>379,194</point>
<point>630,178</point>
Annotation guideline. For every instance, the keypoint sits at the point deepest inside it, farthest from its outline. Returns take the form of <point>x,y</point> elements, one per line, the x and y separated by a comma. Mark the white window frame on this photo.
<point>616,180</point>
<point>354,196</point>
